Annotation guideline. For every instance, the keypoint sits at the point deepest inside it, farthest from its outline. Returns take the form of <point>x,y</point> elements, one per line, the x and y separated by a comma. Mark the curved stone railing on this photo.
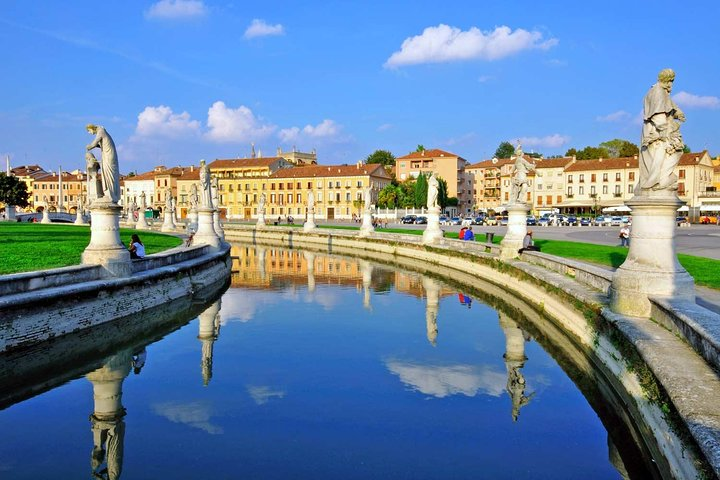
<point>661,374</point>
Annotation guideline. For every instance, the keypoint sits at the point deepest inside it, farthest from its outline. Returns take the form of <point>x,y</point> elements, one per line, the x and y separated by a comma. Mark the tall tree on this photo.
<point>420,148</point>
<point>442,193</point>
<point>504,150</point>
<point>13,191</point>
<point>421,191</point>
<point>620,148</point>
<point>389,197</point>
<point>407,193</point>
<point>589,153</point>
<point>383,157</point>
<point>571,152</point>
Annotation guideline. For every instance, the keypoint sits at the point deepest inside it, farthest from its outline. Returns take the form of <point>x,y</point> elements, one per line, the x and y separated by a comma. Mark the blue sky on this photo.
<point>175,81</point>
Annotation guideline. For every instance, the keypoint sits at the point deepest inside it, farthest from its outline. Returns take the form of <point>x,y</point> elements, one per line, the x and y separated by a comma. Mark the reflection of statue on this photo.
<point>109,169</point>
<point>432,294</point>
<point>261,204</point>
<point>514,361</point>
<point>519,180</point>
<point>432,192</point>
<point>205,198</point>
<point>209,329</point>
<point>194,197</point>
<point>661,144</point>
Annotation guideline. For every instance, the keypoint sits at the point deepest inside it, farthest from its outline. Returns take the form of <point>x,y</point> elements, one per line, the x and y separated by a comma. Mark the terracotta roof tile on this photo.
<point>28,171</point>
<point>243,162</point>
<point>552,162</point>
<point>141,177</point>
<point>434,153</point>
<point>603,164</point>
<point>175,171</point>
<point>692,158</point>
<point>495,162</point>
<point>313,171</point>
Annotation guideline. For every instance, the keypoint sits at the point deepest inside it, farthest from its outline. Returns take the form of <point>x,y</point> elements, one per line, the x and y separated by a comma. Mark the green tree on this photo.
<point>13,191</point>
<point>389,197</point>
<point>589,153</point>
<point>452,202</point>
<point>687,149</point>
<point>571,152</point>
<point>620,148</point>
<point>504,150</point>
<point>383,157</point>
<point>420,148</point>
<point>421,189</point>
<point>407,193</point>
<point>442,193</point>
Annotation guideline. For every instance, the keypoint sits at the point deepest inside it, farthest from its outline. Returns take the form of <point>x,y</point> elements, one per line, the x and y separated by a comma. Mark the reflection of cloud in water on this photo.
<point>194,414</point>
<point>443,381</point>
<point>240,305</point>
<point>263,394</point>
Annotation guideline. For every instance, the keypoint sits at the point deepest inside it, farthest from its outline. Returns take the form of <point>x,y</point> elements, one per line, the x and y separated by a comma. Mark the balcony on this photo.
<point>617,195</point>
<point>570,195</point>
<point>593,195</point>
<point>709,194</point>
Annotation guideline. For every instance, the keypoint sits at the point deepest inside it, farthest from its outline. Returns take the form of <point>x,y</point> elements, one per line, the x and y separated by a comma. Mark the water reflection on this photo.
<point>515,359</point>
<point>432,303</point>
<point>209,330</point>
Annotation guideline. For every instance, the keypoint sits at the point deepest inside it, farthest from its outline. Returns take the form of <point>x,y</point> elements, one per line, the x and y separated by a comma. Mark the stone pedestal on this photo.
<point>142,223</point>
<point>206,230</point>
<point>105,247</point>
<point>192,220</point>
<point>309,226</point>
<point>79,219</point>
<point>45,216</point>
<point>651,267</point>
<point>168,222</point>
<point>216,225</point>
<point>517,229</point>
<point>366,229</point>
<point>261,220</point>
<point>432,233</point>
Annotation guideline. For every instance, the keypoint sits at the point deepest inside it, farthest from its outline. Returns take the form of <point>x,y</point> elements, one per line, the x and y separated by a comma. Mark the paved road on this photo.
<point>699,240</point>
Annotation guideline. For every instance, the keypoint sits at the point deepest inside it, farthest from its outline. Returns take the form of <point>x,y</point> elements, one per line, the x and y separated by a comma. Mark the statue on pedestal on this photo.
<point>519,180</point>
<point>143,204</point>
<point>368,198</point>
<point>205,193</point>
<point>94,185</point>
<point>109,168</point>
<point>311,202</point>
<point>661,143</point>
<point>168,200</point>
<point>193,197</point>
<point>261,204</point>
<point>432,192</point>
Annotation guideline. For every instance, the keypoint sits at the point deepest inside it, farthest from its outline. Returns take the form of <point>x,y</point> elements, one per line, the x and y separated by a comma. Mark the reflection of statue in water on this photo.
<point>205,194</point>
<point>208,331</point>
<point>432,297</point>
<point>514,361</point>
<point>661,143</point>
<point>109,168</point>
<point>107,422</point>
<point>432,192</point>
<point>519,180</point>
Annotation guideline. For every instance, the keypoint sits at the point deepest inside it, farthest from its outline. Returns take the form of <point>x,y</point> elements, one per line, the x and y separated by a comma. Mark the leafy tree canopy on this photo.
<point>421,190</point>
<point>13,191</point>
<point>620,148</point>
<point>442,193</point>
<point>420,148</point>
<point>588,153</point>
<point>505,150</point>
<point>383,157</point>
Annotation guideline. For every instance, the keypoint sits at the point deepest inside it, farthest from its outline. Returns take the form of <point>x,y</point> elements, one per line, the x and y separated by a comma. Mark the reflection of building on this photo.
<point>107,422</point>
<point>514,361</point>
<point>209,329</point>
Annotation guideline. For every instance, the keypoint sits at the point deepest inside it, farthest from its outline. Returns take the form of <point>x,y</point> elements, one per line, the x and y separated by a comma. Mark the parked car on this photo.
<point>490,221</point>
<point>570,220</point>
<point>455,221</point>
<point>681,221</point>
<point>600,221</point>
<point>616,222</point>
<point>503,221</point>
<point>585,222</point>
<point>409,218</point>
<point>531,221</point>
<point>478,220</point>
<point>421,220</point>
<point>444,219</point>
<point>542,221</point>
<point>626,219</point>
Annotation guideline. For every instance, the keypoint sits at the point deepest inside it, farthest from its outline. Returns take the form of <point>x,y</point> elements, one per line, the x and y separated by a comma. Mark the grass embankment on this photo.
<point>32,246</point>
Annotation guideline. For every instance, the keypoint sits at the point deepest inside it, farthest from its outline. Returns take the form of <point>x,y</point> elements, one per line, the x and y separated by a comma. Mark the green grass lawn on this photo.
<point>33,246</point>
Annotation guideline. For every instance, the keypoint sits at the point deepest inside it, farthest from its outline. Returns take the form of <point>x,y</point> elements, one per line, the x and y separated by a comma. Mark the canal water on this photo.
<point>314,365</point>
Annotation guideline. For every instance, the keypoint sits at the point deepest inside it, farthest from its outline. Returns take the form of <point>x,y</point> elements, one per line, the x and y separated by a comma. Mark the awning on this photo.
<point>684,208</point>
<point>710,208</point>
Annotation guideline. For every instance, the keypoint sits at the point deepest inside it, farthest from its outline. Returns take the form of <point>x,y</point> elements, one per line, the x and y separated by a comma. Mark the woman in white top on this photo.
<point>137,249</point>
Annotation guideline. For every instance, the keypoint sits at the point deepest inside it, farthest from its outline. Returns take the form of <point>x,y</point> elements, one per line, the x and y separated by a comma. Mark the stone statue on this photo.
<point>109,169</point>
<point>205,194</point>
<point>519,180</point>
<point>94,185</point>
<point>261,204</point>
<point>45,200</point>
<point>214,187</point>
<point>194,196</point>
<point>143,204</point>
<point>311,202</point>
<point>168,199</point>
<point>432,192</point>
<point>368,197</point>
<point>661,143</point>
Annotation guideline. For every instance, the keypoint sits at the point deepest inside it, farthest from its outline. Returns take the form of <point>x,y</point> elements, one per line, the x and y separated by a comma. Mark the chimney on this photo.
<point>422,153</point>
<point>634,157</point>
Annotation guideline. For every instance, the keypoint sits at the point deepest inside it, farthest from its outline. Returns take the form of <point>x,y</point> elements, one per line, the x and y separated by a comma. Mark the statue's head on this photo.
<point>91,128</point>
<point>666,77</point>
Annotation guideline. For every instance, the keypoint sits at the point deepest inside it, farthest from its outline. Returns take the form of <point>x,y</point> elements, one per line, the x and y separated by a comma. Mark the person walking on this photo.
<point>625,236</point>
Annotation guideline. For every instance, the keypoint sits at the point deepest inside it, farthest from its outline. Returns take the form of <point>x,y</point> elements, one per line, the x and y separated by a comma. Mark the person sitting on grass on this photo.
<point>469,235</point>
<point>137,249</point>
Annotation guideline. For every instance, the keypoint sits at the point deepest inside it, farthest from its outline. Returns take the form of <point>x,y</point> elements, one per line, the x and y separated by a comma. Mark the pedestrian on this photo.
<point>625,236</point>
<point>137,249</point>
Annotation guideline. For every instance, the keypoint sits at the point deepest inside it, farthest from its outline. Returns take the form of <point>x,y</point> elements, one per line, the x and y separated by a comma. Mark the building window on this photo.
<point>548,199</point>
<point>559,199</point>
<point>347,197</point>
<point>592,177</point>
<point>605,177</point>
<point>319,184</point>
<point>681,174</point>
<point>605,189</point>
<point>631,176</point>
<point>681,187</point>
<point>592,190</point>
<point>581,190</point>
<point>359,183</point>
<point>299,198</point>
<point>569,191</point>
<point>582,178</point>
<point>289,197</point>
<point>539,200</point>
<point>570,178</point>
<point>319,196</point>
<point>617,177</point>
<point>617,190</point>
<point>630,189</point>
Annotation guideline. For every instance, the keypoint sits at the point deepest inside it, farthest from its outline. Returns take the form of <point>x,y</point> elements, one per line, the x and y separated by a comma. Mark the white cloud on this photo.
<point>193,414</point>
<point>176,9</point>
<point>685,99</point>
<point>549,141</point>
<point>385,127</point>
<point>263,394</point>
<point>443,381</point>
<point>258,28</point>
<point>619,116</point>
<point>235,125</point>
<point>325,129</point>
<point>447,44</point>
<point>161,121</point>
<point>484,78</point>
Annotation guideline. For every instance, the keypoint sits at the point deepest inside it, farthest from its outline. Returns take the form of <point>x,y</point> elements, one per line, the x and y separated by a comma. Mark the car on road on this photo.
<point>601,221</point>
<point>421,220</point>
<point>616,222</point>
<point>570,220</point>
<point>543,221</point>
<point>455,221</point>
<point>490,221</point>
<point>444,219</point>
<point>531,221</point>
<point>627,219</point>
<point>503,221</point>
<point>478,220</point>
<point>681,221</point>
<point>466,222</point>
<point>585,221</point>
<point>409,218</point>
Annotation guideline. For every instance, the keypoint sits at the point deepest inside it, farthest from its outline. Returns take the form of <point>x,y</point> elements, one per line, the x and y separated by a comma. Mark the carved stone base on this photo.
<point>192,221</point>
<point>105,247</point>
<point>651,267</point>
<point>432,233</point>
<point>45,216</point>
<point>142,223</point>
<point>206,230</point>
<point>261,220</point>
<point>79,219</point>
<point>168,222</point>
<point>218,227</point>
<point>517,229</point>
<point>309,226</point>
<point>366,229</point>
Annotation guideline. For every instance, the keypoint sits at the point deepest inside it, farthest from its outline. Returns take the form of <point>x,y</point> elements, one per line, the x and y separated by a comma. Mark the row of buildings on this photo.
<point>566,184</point>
